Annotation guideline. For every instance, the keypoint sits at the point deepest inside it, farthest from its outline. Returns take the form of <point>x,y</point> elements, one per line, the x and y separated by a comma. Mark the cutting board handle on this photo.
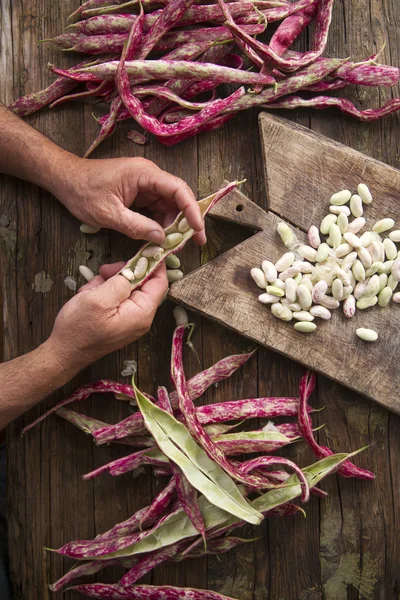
<point>237,208</point>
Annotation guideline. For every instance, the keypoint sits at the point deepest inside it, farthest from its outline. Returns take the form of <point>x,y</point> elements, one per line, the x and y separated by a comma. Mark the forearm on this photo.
<point>30,378</point>
<point>29,155</point>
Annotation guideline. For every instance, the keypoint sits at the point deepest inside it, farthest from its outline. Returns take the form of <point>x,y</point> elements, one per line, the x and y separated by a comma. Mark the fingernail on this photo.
<point>156,236</point>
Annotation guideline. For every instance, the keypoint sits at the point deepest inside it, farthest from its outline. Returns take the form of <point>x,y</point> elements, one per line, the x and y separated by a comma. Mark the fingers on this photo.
<point>139,227</point>
<point>174,191</point>
<point>152,293</point>
<point>109,270</point>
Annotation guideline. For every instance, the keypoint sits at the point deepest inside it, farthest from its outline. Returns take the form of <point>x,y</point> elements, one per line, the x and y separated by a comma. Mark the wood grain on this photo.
<point>348,547</point>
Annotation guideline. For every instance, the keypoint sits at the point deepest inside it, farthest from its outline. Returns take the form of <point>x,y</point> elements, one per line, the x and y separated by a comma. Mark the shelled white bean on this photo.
<point>360,271</point>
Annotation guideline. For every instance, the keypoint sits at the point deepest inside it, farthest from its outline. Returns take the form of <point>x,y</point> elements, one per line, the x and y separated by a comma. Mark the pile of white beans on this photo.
<point>357,271</point>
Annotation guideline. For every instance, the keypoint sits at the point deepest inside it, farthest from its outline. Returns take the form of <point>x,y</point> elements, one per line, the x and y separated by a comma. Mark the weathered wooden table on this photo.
<point>348,546</point>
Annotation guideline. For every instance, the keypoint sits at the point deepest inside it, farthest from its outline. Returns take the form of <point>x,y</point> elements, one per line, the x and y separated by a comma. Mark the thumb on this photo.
<point>113,292</point>
<point>139,227</point>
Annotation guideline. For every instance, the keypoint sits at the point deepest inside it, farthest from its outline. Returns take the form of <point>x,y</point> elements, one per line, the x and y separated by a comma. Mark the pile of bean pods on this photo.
<point>162,63</point>
<point>311,280</point>
<point>211,490</point>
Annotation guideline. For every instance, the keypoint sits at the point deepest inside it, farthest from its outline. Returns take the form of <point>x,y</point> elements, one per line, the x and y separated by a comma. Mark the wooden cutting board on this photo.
<point>302,170</point>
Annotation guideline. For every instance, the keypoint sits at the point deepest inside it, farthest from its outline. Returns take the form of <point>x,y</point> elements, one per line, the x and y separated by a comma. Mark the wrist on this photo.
<point>64,177</point>
<point>61,365</point>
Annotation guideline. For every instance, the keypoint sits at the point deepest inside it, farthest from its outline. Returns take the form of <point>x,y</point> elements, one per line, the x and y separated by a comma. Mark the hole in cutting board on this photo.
<point>239,208</point>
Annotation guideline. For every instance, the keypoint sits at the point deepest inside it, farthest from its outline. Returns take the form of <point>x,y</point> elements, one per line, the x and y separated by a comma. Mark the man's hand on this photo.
<point>100,192</point>
<point>105,316</point>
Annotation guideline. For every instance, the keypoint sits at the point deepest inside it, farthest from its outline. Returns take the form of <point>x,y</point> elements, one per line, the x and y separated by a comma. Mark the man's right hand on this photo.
<point>105,316</point>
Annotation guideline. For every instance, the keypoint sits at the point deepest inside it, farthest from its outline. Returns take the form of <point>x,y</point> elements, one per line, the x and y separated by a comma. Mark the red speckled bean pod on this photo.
<point>307,385</point>
<point>344,105</point>
<point>146,592</point>
<point>192,422</point>
<point>265,461</point>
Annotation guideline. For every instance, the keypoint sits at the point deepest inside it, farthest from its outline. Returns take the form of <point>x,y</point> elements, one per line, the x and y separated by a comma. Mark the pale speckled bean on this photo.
<point>152,251</point>
<point>374,268</point>
<point>372,288</point>
<point>172,261</point>
<point>281,312</point>
<point>313,237</point>
<point>269,270</point>
<point>294,306</point>
<point>291,290</point>
<point>383,281</point>
<point>356,206</point>
<point>396,270</point>
<point>89,228</point>
<point>267,299</point>
<point>352,239</point>
<point>319,291</point>
<point>364,257</point>
<point>385,296</point>
<point>308,283</point>
<point>337,210</point>
<point>337,289</point>
<point>174,275</point>
<point>305,327</point>
<point>367,335</point>
<point>375,250</point>
<point>342,223</point>
<point>258,277</point>
<point>322,253</point>
<point>290,272</point>
<point>280,284</point>
<point>387,267</point>
<point>383,225</point>
<point>303,315</point>
<point>128,274</point>
<point>347,291</point>
<point>349,307</point>
<point>349,261</point>
<point>171,240</point>
<point>367,238</point>
<point>395,235</point>
<point>360,288</point>
<point>392,283</point>
<point>356,225</point>
<point>353,281</point>
<point>335,234</point>
<point>342,275</point>
<point>285,261</point>
<point>304,296</point>
<point>364,193</point>
<point>86,272</point>
<point>329,302</point>
<point>303,266</point>
<point>390,249</point>
<point>366,302</point>
<point>183,225</point>
<point>141,267</point>
<point>343,250</point>
<point>326,223</point>
<point>285,233</point>
<point>396,298</point>
<point>308,253</point>
<point>358,270</point>
<point>340,198</point>
<point>320,312</point>
<point>275,291</point>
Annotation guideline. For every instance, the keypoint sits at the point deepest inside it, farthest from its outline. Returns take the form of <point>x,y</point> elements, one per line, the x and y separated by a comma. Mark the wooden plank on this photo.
<point>303,169</point>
